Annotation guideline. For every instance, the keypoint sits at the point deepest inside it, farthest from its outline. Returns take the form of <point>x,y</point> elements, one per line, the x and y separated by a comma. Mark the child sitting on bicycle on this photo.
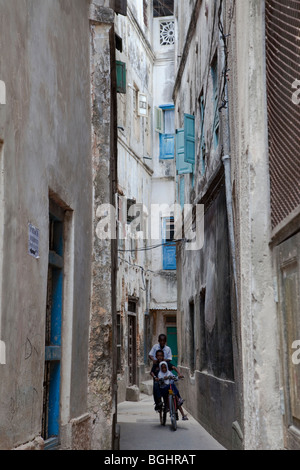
<point>154,373</point>
<point>166,377</point>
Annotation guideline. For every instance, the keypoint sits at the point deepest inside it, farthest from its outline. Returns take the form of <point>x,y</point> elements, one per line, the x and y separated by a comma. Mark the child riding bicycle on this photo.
<point>154,373</point>
<point>166,378</point>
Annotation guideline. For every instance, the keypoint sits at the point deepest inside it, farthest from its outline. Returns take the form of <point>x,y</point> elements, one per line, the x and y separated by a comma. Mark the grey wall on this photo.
<point>209,387</point>
<point>44,62</point>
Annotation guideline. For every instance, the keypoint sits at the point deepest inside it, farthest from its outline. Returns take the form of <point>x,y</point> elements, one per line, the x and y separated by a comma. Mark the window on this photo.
<point>136,120</point>
<point>119,43</point>
<point>165,126</point>
<point>132,306</point>
<point>121,77</point>
<point>169,248</point>
<point>119,6</point>
<point>203,346</point>
<point>189,139</point>
<point>181,166</point>
<point>167,33</point>
<point>119,344</point>
<point>142,108</point>
<point>163,8</point>
<point>192,345</point>
<point>215,83</point>
<point>132,342</point>
<point>130,203</point>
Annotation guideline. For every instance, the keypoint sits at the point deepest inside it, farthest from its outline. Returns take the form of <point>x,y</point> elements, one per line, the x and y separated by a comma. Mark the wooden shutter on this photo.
<point>169,250</point>
<point>121,77</point>
<point>288,268</point>
<point>159,120</point>
<point>181,166</point>
<point>167,146</point>
<point>189,139</point>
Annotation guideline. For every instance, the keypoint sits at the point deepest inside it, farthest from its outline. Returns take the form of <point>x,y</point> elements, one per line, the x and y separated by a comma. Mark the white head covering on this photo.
<point>162,375</point>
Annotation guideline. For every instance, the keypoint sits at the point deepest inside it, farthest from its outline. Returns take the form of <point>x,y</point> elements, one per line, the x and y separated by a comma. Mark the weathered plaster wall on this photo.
<point>250,175</point>
<point>205,339</point>
<point>206,306</point>
<point>45,65</point>
<point>134,179</point>
<point>150,70</point>
<point>102,350</point>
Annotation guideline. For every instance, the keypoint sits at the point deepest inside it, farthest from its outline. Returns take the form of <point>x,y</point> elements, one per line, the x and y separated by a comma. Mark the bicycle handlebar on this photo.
<point>171,377</point>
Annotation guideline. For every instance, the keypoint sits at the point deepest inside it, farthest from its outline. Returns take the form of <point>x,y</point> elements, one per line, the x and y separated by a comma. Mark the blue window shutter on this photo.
<point>182,167</point>
<point>169,251</point>
<point>167,146</point>
<point>169,257</point>
<point>189,139</point>
<point>121,76</point>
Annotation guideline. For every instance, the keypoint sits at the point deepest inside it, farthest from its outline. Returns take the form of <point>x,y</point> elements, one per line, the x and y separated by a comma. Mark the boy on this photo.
<point>162,345</point>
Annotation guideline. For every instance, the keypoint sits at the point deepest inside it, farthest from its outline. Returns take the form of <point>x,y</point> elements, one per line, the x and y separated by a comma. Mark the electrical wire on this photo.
<point>223,83</point>
<point>151,247</point>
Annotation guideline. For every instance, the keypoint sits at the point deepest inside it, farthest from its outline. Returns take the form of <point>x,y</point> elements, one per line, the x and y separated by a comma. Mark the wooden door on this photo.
<point>288,267</point>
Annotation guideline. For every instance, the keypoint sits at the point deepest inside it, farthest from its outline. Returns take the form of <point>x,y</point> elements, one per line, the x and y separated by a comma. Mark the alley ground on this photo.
<point>140,429</point>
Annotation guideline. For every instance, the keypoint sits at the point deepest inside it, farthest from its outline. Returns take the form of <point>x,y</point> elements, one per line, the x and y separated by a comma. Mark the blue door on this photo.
<point>52,376</point>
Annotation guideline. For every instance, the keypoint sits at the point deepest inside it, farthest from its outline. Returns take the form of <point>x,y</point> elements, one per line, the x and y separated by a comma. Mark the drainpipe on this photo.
<point>227,167</point>
<point>237,433</point>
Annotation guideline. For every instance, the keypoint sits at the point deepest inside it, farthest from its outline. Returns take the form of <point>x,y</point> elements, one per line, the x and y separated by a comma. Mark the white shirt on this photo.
<point>167,352</point>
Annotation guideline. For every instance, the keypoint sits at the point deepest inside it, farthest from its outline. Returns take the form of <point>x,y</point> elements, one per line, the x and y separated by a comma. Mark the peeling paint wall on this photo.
<point>250,179</point>
<point>101,374</point>
<point>207,339</point>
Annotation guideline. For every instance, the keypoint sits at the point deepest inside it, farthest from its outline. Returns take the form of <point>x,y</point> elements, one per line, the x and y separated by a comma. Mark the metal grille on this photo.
<point>132,349</point>
<point>283,69</point>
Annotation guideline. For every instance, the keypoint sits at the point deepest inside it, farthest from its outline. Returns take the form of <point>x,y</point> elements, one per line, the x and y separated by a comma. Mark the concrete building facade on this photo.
<point>58,278</point>
<point>45,226</point>
<point>207,316</point>
<point>147,294</point>
<point>239,294</point>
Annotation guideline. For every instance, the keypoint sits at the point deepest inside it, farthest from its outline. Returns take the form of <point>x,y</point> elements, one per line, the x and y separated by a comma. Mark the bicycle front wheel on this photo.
<point>172,413</point>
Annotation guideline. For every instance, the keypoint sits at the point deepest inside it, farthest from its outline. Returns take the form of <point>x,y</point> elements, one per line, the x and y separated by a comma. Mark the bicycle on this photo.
<point>171,406</point>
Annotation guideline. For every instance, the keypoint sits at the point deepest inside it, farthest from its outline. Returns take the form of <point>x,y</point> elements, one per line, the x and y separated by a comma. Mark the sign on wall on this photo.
<point>33,241</point>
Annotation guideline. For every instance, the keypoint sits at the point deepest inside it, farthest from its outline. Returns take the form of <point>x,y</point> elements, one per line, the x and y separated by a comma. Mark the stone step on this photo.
<point>146,387</point>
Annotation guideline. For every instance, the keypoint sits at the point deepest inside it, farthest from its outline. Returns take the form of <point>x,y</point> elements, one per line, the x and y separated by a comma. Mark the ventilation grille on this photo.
<point>283,69</point>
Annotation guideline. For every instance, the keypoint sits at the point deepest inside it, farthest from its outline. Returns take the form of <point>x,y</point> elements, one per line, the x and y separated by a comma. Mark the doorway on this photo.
<point>288,272</point>
<point>53,330</point>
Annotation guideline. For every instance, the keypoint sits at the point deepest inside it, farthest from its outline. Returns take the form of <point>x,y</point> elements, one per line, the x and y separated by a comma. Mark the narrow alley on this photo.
<point>140,429</point>
<point>149,224</point>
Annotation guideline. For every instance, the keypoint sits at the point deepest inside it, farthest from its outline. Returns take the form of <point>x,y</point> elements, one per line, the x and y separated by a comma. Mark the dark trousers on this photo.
<point>157,392</point>
<point>160,393</point>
